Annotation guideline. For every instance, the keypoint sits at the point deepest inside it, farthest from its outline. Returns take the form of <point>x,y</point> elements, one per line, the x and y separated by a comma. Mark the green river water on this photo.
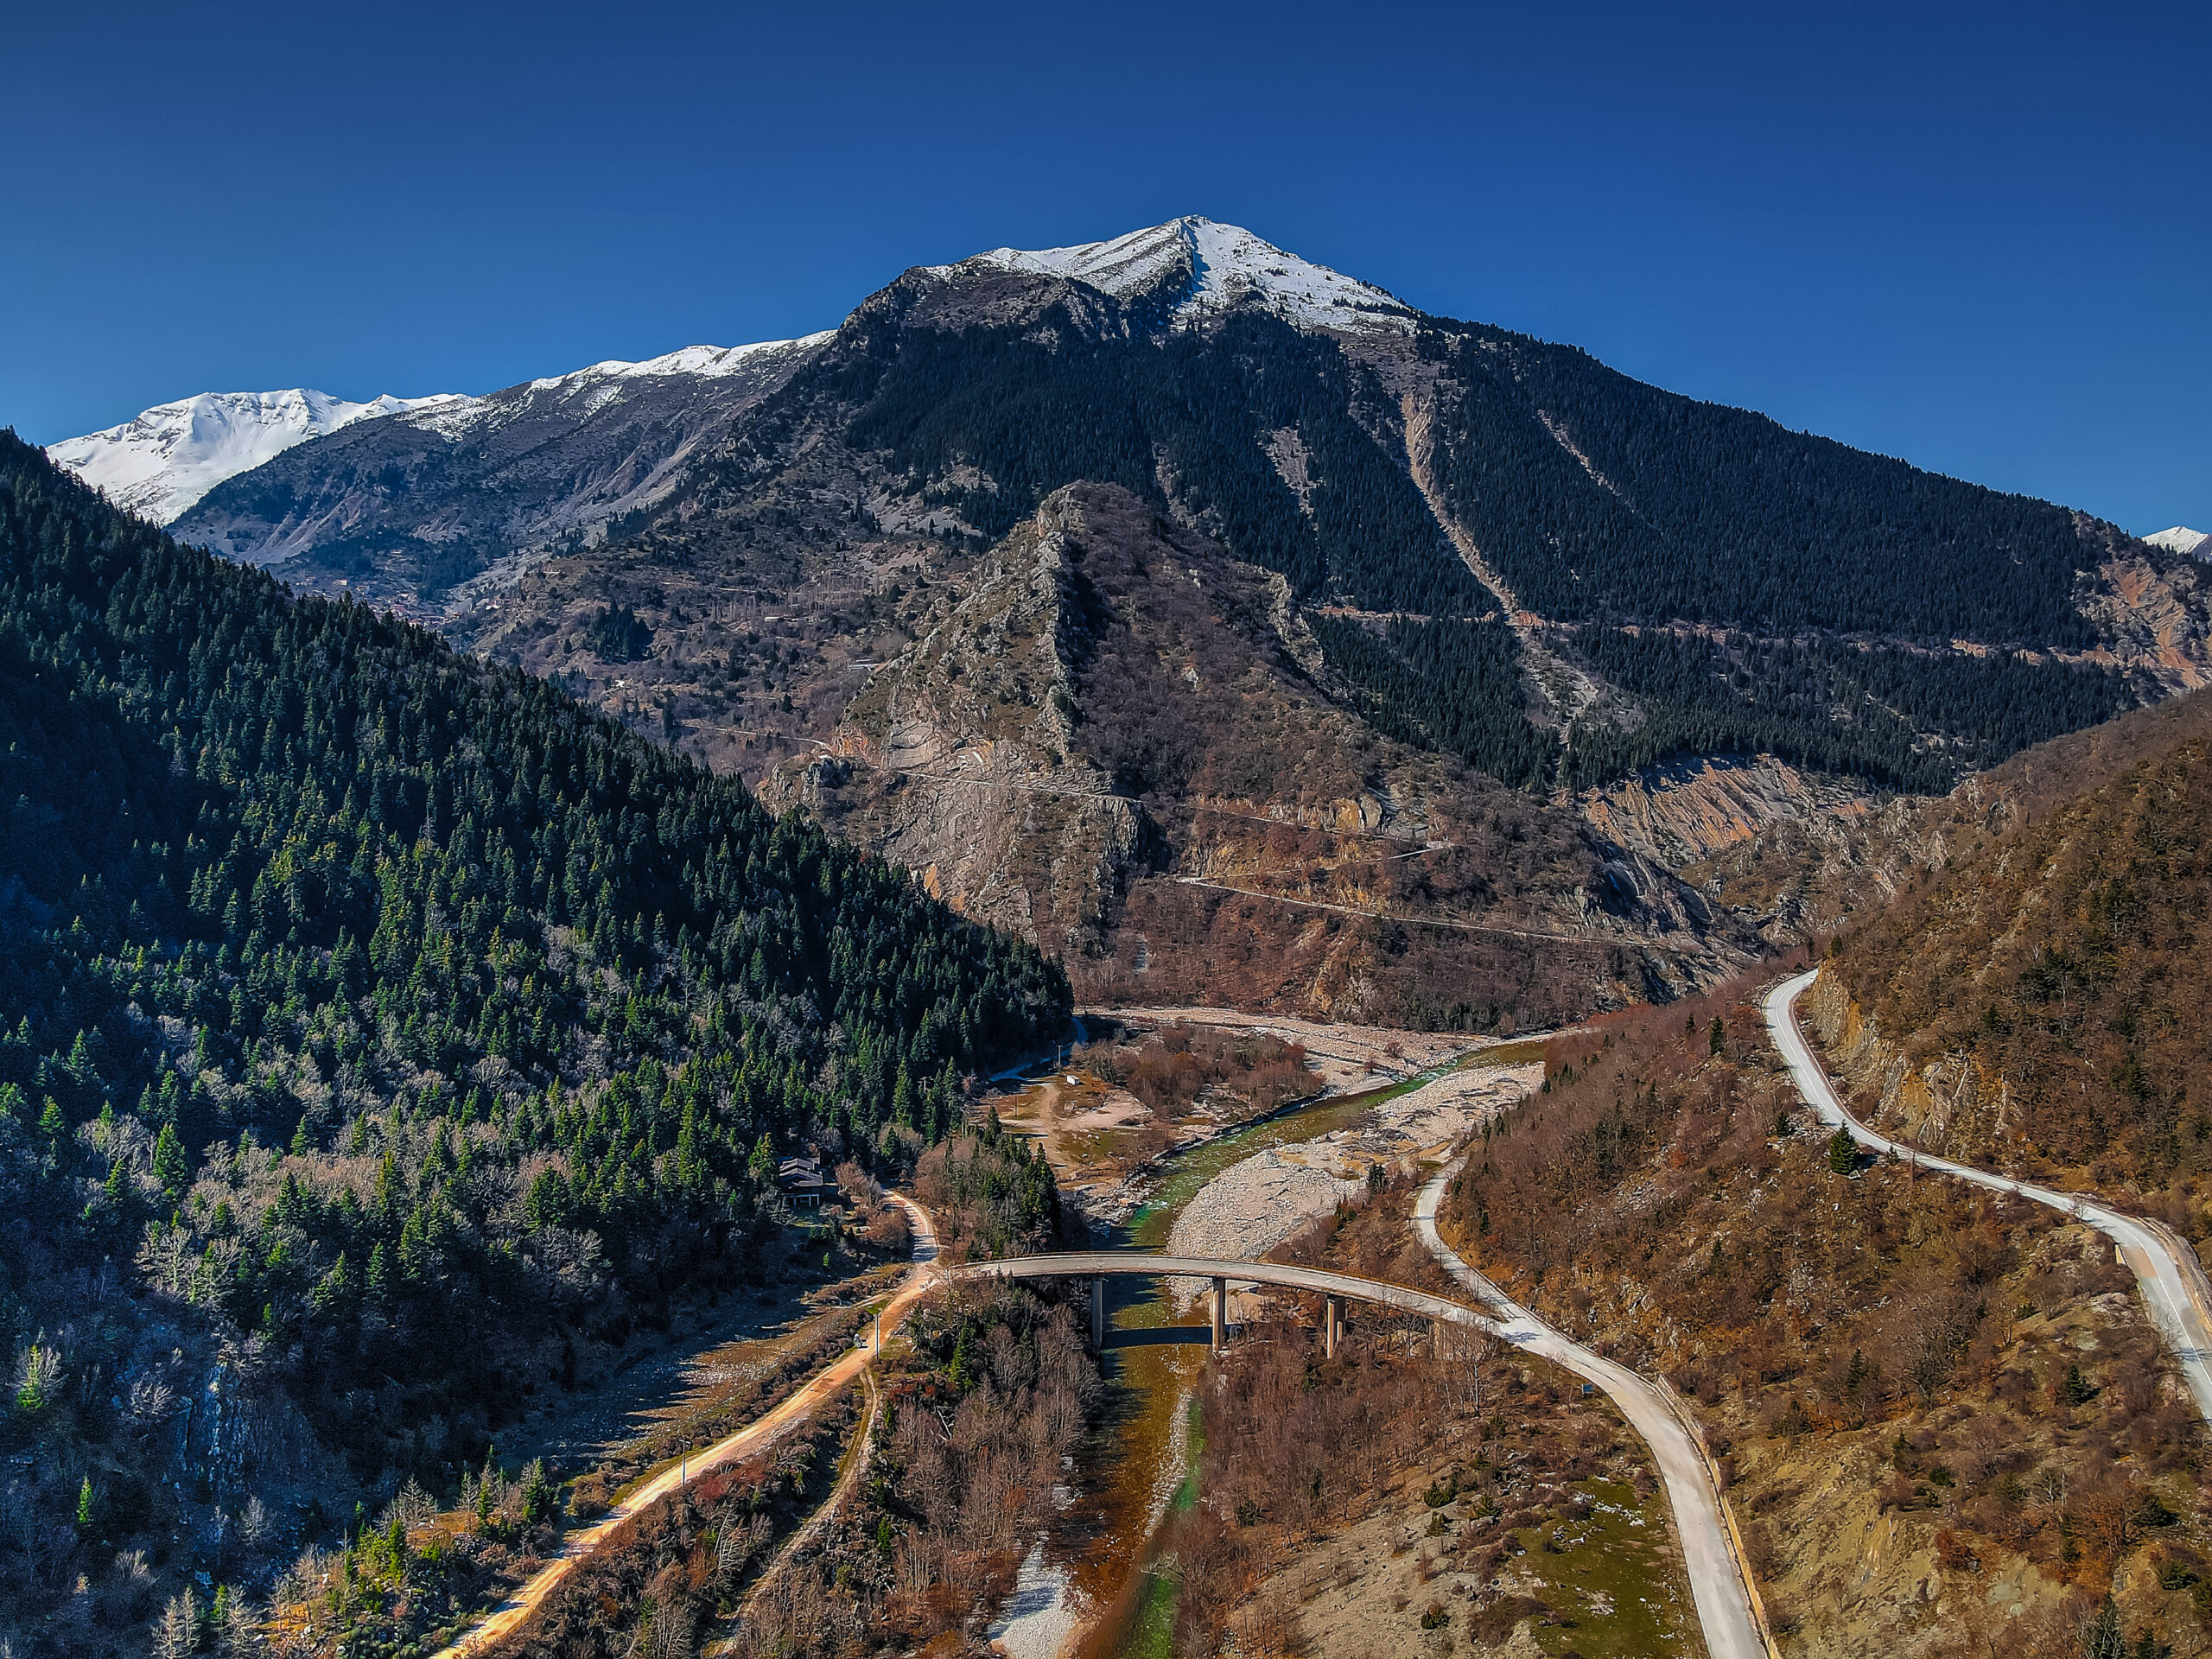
<point>1142,1463</point>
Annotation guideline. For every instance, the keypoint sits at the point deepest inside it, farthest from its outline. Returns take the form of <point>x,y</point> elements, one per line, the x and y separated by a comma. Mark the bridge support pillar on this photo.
<point>1332,1318</point>
<point>1220,1313</point>
<point>1098,1311</point>
<point>1436,1338</point>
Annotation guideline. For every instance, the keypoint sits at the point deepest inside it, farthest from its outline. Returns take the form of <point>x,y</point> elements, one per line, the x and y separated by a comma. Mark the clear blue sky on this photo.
<point>1977,236</point>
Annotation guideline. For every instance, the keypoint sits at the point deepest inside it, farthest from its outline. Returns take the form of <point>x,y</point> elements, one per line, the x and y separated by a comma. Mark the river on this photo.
<point>1091,1580</point>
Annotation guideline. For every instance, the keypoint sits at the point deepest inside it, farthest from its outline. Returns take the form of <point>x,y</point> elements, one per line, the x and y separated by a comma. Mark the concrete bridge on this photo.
<point>1335,1289</point>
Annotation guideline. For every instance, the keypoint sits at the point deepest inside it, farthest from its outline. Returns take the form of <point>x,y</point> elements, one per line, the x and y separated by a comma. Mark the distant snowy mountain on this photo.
<point>2181,539</point>
<point>1203,268</point>
<point>427,498</point>
<point>161,463</point>
<point>583,392</point>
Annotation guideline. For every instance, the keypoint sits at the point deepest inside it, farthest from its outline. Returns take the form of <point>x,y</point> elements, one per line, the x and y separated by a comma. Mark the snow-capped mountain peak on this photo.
<point>160,463</point>
<point>2181,539</point>
<point>1217,267</point>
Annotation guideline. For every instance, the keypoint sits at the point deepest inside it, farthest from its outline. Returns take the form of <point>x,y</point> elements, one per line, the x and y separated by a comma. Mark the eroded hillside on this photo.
<point>1123,742</point>
<point>2033,1003</point>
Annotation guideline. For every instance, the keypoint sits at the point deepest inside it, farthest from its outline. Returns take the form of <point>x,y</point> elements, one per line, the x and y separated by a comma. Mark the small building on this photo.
<point>802,1181</point>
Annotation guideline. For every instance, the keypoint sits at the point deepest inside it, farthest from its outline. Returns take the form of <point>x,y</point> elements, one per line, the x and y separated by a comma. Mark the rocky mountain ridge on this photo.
<point>1482,560</point>
<point>1122,742</point>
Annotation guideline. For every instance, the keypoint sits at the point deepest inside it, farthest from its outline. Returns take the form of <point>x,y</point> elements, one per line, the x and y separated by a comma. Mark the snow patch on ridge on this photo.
<point>1225,266</point>
<point>703,362</point>
<point>2181,539</point>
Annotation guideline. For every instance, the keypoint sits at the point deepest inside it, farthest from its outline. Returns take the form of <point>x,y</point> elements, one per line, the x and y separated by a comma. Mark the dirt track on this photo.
<point>823,1385</point>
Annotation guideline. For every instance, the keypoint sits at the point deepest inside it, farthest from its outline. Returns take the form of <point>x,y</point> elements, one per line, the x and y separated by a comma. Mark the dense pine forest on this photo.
<point>1667,508</point>
<point>1450,686</point>
<point>1904,720</point>
<point>378,1029</point>
<point>1035,415</point>
<point>1595,496</point>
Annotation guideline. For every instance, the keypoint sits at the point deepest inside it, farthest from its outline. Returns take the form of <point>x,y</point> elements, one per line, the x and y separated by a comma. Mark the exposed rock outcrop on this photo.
<point>1690,808</point>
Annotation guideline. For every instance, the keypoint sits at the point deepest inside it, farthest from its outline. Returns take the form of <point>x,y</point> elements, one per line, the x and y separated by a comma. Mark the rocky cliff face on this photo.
<point>1944,1103</point>
<point>1682,811</point>
<point>2155,614</point>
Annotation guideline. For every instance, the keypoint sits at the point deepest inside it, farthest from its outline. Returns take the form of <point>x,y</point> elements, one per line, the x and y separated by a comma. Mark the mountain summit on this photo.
<point>1199,267</point>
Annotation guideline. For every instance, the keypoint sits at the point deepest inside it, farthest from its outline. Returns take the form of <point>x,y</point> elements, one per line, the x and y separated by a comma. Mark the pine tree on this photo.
<point>177,1635</point>
<point>536,1493</point>
<point>170,1169</point>
<point>1843,1153</point>
<point>2100,1633</point>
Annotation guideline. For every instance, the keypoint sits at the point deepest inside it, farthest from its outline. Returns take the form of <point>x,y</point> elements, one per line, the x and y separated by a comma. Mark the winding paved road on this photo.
<point>762,1431</point>
<point>1727,1602</point>
<point>2173,1282</point>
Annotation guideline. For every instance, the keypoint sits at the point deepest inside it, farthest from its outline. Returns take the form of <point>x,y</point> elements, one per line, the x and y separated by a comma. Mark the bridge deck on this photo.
<point>1093,1264</point>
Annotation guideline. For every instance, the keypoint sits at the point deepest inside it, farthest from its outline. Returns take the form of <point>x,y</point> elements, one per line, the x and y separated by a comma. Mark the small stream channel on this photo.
<point>1141,1461</point>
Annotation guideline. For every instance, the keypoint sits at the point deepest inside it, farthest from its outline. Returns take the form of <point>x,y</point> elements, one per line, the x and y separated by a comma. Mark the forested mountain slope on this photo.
<point>2034,1003</point>
<point>379,1031</point>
